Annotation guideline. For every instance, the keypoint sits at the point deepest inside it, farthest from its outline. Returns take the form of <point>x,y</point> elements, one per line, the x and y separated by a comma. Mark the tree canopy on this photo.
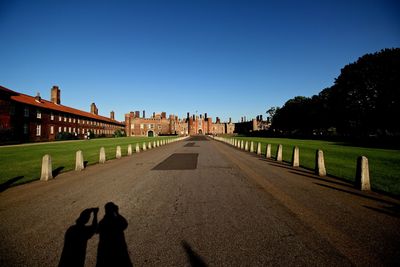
<point>363,101</point>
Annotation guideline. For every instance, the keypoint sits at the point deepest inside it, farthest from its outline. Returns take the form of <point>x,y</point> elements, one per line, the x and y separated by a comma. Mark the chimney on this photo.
<point>188,116</point>
<point>201,116</point>
<point>230,120</point>
<point>137,114</point>
<point>55,95</point>
<point>194,118</point>
<point>261,118</point>
<point>154,114</point>
<point>112,115</point>
<point>163,115</point>
<point>217,120</point>
<point>93,109</point>
<point>205,116</point>
<point>144,114</point>
<point>37,97</point>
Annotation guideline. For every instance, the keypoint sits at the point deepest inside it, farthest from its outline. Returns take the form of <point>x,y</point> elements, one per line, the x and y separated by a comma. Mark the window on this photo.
<point>38,130</point>
<point>52,116</point>
<point>25,128</point>
<point>59,117</point>
<point>12,110</point>
<point>73,129</point>
<point>74,120</point>
<point>51,129</point>
<point>79,121</point>
<point>65,129</point>
<point>141,126</point>
<point>59,129</point>
<point>65,118</point>
<point>69,129</point>
<point>69,119</point>
<point>38,114</point>
<point>26,112</point>
<point>132,126</point>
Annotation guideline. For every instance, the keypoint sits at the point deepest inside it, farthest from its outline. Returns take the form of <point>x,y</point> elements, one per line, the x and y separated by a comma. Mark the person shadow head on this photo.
<point>112,249</point>
<point>76,238</point>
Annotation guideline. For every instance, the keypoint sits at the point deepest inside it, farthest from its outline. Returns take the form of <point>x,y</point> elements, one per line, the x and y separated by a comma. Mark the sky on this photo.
<point>227,58</point>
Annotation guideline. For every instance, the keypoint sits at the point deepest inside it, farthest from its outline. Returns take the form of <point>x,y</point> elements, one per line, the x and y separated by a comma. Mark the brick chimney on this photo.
<point>93,109</point>
<point>37,97</point>
<point>144,114</point>
<point>55,95</point>
<point>112,115</point>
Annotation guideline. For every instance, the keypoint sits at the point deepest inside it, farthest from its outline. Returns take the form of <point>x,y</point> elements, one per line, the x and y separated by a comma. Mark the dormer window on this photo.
<point>38,114</point>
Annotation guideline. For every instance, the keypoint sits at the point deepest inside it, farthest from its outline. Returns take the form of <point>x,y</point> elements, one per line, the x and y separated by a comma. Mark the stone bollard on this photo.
<point>279,153</point>
<point>158,143</point>
<point>246,146</point>
<point>241,144</point>
<point>102,156</point>
<point>149,145</point>
<point>47,169</point>
<point>296,157</point>
<point>320,163</point>
<point>154,144</point>
<point>118,153</point>
<point>144,146</point>
<point>137,148</point>
<point>79,164</point>
<point>251,147</point>
<point>362,174</point>
<point>259,149</point>
<point>129,150</point>
<point>268,151</point>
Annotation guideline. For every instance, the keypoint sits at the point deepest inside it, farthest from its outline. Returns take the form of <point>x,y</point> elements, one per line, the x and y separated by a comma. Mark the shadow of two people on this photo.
<point>112,249</point>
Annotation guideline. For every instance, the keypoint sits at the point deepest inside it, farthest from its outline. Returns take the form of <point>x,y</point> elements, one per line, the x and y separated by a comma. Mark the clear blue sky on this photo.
<point>226,58</point>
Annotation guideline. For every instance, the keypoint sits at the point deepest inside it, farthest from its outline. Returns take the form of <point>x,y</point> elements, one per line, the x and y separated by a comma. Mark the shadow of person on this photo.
<point>194,258</point>
<point>76,237</point>
<point>112,250</point>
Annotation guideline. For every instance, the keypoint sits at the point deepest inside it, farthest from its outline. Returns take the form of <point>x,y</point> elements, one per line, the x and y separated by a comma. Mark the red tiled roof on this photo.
<point>30,100</point>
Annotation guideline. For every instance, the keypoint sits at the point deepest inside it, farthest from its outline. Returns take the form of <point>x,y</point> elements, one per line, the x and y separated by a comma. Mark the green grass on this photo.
<point>26,160</point>
<point>341,160</point>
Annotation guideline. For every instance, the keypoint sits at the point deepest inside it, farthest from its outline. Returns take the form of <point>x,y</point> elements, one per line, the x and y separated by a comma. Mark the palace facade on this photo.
<point>25,118</point>
<point>160,124</point>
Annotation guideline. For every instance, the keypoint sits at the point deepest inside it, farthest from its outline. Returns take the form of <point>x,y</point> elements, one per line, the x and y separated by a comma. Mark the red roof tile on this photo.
<point>30,100</point>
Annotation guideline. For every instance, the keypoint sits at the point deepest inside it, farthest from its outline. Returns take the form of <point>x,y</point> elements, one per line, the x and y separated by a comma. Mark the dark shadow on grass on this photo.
<point>57,171</point>
<point>195,259</point>
<point>386,210</point>
<point>85,163</point>
<point>359,194</point>
<point>4,186</point>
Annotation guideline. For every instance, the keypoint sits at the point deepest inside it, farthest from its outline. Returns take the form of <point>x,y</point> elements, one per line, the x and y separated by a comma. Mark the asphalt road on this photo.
<point>201,202</point>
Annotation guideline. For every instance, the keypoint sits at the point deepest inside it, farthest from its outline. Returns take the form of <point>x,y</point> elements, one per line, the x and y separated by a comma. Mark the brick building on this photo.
<point>257,124</point>
<point>25,118</point>
<point>160,124</point>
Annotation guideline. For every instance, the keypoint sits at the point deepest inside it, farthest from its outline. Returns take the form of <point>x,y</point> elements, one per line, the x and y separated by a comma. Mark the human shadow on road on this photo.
<point>76,238</point>
<point>112,249</point>
<point>194,258</point>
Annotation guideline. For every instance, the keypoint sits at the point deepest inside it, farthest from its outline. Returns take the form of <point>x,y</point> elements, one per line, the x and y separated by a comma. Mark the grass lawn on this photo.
<point>22,163</point>
<point>341,160</point>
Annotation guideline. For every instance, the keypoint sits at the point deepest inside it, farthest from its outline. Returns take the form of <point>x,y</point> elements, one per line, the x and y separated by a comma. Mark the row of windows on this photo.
<point>66,118</point>
<point>67,130</point>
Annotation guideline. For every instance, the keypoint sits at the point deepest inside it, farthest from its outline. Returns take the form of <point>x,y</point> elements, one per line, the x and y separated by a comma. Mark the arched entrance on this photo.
<point>150,134</point>
<point>200,131</point>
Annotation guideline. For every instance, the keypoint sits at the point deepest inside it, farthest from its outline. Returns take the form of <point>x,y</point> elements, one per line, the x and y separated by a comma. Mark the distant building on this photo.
<point>160,124</point>
<point>257,124</point>
<point>25,118</point>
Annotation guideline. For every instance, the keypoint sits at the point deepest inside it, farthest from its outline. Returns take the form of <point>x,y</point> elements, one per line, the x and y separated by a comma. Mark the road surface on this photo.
<point>201,202</point>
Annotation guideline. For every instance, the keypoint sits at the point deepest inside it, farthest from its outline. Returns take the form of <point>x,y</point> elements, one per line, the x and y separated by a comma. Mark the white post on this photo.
<point>79,165</point>
<point>118,153</point>
<point>259,149</point>
<point>252,147</point>
<point>137,148</point>
<point>268,151</point>
<point>102,156</point>
<point>279,153</point>
<point>144,146</point>
<point>362,174</point>
<point>129,150</point>
<point>47,172</point>
<point>320,163</point>
<point>296,157</point>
